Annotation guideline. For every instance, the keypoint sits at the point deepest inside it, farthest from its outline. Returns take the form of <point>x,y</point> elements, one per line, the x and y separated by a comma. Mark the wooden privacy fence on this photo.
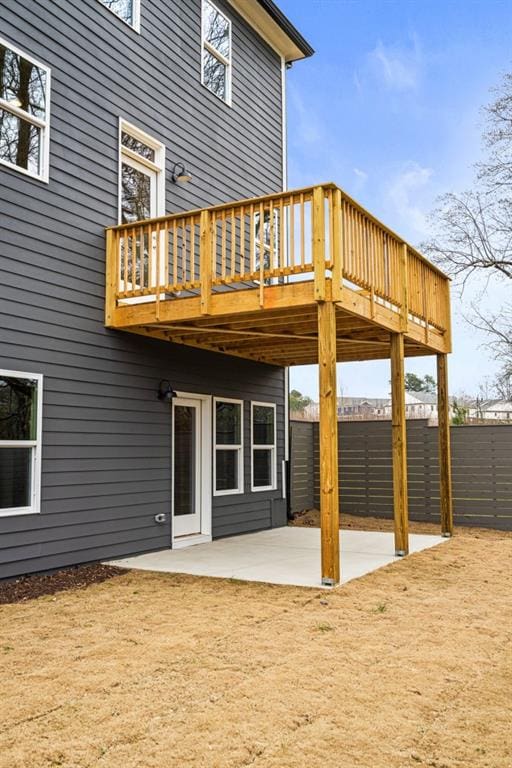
<point>481,471</point>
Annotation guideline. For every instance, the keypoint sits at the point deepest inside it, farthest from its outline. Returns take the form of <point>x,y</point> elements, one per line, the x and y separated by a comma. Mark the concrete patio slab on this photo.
<point>280,556</point>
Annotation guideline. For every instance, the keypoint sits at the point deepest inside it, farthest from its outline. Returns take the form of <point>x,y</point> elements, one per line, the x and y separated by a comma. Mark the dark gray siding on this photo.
<point>106,438</point>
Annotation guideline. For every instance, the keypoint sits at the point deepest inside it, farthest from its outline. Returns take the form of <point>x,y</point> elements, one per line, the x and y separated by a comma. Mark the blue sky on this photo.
<point>389,107</point>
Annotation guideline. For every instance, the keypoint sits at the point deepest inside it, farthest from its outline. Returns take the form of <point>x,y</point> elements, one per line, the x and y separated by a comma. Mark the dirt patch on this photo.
<point>310,518</point>
<point>37,585</point>
<point>409,666</point>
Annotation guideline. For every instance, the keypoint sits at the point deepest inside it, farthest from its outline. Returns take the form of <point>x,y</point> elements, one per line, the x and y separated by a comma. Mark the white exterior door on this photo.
<point>187,467</point>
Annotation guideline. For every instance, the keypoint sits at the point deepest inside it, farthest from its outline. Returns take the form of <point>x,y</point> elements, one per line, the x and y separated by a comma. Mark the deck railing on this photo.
<point>306,234</point>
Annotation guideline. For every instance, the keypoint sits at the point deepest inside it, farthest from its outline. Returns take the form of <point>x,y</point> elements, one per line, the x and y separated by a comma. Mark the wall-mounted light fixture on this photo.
<point>165,391</point>
<point>180,173</point>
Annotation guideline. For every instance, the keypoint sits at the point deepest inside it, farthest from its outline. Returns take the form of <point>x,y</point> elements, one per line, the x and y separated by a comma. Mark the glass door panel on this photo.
<point>186,467</point>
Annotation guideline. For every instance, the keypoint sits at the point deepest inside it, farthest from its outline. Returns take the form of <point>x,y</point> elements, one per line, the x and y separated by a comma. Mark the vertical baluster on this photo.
<point>223,245</point>
<point>291,258</point>
<point>261,248</point>
<point>271,251</point>
<point>242,240</point>
<point>174,252</point>
<point>184,250</point>
<point>150,269</point>
<point>302,232</point>
<point>156,278</point>
<point>126,245</point>
<point>252,244</point>
<point>281,227</point>
<point>192,255</point>
<point>233,243</point>
<point>134,260</point>
<point>344,236</point>
<point>215,265</point>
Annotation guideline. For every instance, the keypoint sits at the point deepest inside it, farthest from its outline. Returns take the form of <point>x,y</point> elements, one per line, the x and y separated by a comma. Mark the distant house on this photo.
<point>418,405</point>
<point>490,410</point>
<point>362,406</point>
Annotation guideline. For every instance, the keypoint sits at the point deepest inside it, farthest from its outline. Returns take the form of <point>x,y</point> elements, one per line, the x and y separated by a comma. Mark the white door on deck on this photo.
<point>187,466</point>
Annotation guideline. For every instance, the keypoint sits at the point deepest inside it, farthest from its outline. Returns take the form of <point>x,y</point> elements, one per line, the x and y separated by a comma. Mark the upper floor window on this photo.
<point>216,52</point>
<point>127,10</point>
<point>24,112</point>
<point>142,170</point>
<point>20,442</point>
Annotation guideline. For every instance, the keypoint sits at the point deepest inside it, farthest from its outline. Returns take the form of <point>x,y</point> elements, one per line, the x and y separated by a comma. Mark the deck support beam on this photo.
<point>445,469</point>
<point>329,489</point>
<point>399,438</point>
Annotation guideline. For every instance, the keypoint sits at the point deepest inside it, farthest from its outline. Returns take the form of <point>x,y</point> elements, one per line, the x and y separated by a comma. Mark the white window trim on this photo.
<point>36,445</point>
<point>136,15</point>
<point>133,158</point>
<point>220,446</point>
<point>226,61</point>
<point>44,125</point>
<point>272,447</point>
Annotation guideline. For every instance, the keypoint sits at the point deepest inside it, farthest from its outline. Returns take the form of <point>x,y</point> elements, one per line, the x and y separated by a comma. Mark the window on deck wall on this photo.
<point>24,112</point>
<point>20,442</point>
<point>127,10</point>
<point>141,196</point>
<point>266,237</point>
<point>263,446</point>
<point>228,464</point>
<point>216,52</point>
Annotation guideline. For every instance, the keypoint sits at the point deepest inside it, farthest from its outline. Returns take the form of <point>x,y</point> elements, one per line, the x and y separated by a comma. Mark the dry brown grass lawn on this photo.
<point>408,666</point>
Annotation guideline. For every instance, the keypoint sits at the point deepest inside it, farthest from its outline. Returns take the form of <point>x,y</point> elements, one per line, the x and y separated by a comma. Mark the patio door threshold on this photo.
<point>180,542</point>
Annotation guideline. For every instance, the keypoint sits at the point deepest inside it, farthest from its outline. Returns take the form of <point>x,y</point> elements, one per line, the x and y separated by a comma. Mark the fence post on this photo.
<point>445,469</point>
<point>205,261</point>
<point>399,439</point>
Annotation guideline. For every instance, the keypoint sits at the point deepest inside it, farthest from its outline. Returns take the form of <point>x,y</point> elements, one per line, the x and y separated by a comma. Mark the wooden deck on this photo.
<point>245,279</point>
<point>297,277</point>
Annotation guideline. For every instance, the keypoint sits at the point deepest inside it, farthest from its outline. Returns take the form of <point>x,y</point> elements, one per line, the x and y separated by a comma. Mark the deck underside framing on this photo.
<point>278,325</point>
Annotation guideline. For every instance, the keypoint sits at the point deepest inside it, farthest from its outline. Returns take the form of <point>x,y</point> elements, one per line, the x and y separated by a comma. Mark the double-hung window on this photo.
<point>20,442</point>
<point>24,112</point>
<point>141,196</point>
<point>263,446</point>
<point>216,52</point>
<point>127,10</point>
<point>228,464</point>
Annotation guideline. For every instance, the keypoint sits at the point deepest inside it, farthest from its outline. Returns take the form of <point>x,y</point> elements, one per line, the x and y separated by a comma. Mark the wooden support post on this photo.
<point>329,492</point>
<point>206,261</point>
<point>400,499</point>
<point>112,274</point>
<point>445,468</point>
<point>318,241</point>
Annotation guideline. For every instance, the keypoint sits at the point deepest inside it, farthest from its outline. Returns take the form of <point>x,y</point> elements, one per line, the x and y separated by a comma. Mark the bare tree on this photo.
<point>473,229</point>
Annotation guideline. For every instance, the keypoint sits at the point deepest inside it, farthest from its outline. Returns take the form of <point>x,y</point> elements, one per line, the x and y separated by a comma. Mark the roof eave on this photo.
<point>274,27</point>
